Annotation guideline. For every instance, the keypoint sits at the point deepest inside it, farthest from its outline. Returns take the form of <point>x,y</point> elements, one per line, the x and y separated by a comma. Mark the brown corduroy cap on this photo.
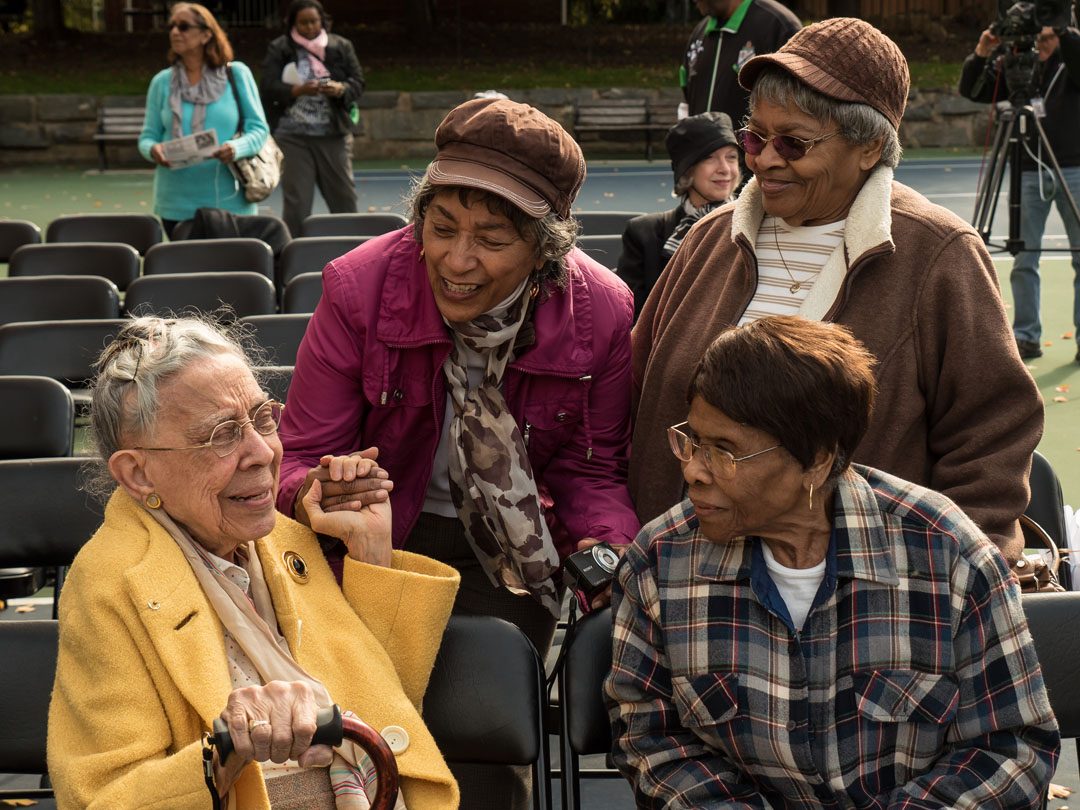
<point>846,59</point>
<point>511,150</point>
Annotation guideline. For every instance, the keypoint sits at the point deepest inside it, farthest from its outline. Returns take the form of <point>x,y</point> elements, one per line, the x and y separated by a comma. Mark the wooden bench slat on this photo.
<point>115,125</point>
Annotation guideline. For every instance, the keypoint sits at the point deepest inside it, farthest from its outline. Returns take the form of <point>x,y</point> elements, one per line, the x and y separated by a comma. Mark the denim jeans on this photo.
<point>1024,278</point>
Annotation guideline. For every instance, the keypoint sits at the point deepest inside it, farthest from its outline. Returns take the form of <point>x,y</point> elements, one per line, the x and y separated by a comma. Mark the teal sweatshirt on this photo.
<point>178,192</point>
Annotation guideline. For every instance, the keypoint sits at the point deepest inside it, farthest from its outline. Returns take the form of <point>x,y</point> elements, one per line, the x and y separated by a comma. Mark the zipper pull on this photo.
<point>528,428</point>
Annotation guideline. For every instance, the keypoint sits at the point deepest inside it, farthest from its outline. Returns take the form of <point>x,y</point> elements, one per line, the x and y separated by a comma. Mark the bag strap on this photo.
<point>1031,530</point>
<point>236,95</point>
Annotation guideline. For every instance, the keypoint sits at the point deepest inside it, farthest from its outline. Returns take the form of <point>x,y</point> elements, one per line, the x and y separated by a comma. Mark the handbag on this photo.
<point>1035,573</point>
<point>259,174</point>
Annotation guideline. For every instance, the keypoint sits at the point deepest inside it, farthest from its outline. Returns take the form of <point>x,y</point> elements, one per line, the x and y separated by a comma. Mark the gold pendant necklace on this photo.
<point>795,285</point>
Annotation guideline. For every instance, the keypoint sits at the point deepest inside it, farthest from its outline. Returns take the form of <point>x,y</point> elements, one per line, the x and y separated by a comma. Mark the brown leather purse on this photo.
<point>1034,571</point>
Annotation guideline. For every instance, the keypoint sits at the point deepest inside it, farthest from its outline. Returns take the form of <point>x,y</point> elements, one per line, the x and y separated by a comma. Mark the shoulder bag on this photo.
<point>260,174</point>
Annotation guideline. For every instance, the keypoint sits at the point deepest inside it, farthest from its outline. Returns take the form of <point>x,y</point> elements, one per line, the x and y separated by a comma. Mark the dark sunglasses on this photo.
<point>183,27</point>
<point>787,146</point>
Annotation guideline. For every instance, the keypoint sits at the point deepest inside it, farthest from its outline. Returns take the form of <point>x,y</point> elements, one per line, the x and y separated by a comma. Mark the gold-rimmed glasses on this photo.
<point>720,463</point>
<point>226,437</point>
<point>788,147</point>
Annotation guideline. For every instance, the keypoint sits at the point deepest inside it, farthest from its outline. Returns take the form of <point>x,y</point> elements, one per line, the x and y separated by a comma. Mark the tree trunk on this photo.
<point>420,14</point>
<point>48,16</point>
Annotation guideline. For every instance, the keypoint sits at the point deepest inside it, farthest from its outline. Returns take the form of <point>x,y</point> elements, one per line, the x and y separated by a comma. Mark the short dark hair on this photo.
<point>296,6</point>
<point>809,384</point>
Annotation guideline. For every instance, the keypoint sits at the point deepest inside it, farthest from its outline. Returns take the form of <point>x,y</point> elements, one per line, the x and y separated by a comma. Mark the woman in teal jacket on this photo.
<point>193,95</point>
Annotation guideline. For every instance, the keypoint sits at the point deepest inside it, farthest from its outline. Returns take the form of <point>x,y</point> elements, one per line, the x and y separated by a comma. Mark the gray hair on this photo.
<point>146,353</point>
<point>552,236</point>
<point>859,124</point>
<point>684,183</point>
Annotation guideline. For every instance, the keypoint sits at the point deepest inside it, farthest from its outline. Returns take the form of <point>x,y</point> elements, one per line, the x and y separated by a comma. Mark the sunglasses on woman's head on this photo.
<point>787,146</point>
<point>183,26</point>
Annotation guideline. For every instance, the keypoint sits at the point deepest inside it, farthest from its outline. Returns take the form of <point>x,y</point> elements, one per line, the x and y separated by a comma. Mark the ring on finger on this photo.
<point>254,724</point>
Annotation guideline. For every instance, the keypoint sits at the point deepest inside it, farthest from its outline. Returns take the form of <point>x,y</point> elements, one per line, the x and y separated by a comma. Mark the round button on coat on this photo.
<point>397,738</point>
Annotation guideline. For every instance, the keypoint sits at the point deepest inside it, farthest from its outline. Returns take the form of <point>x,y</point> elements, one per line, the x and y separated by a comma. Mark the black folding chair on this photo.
<point>210,256</point>
<point>39,416</point>
<point>1052,617</point>
<point>485,701</point>
<point>141,231</point>
<point>275,380</point>
<point>112,260</point>
<point>303,293</point>
<point>27,671</point>
<point>14,233</point>
<point>604,223</point>
<point>49,298</point>
<point>371,224</point>
<point>310,254</point>
<point>246,293</point>
<point>278,335</point>
<point>603,249</point>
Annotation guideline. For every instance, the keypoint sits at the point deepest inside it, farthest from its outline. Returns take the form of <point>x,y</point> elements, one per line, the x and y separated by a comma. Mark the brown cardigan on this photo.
<point>956,411</point>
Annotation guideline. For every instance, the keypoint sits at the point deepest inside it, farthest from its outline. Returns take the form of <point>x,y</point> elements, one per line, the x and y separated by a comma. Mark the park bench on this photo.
<point>117,125</point>
<point>624,115</point>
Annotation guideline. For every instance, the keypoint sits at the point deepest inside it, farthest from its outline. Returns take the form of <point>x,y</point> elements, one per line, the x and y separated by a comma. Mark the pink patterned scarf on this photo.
<point>316,49</point>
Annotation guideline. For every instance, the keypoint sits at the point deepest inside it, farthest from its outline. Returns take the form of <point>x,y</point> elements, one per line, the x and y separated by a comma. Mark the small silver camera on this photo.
<point>588,572</point>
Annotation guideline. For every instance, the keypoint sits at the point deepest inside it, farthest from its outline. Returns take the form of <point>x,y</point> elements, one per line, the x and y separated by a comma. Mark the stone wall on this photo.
<point>48,129</point>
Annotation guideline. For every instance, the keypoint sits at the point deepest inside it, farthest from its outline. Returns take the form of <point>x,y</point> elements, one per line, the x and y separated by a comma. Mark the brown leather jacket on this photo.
<point>957,410</point>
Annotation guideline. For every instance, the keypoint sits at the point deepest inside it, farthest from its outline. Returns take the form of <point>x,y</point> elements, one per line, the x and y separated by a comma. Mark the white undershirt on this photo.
<point>804,249</point>
<point>797,586</point>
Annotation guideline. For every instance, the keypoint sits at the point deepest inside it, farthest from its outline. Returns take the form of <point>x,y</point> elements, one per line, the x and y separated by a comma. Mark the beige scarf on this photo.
<point>253,624</point>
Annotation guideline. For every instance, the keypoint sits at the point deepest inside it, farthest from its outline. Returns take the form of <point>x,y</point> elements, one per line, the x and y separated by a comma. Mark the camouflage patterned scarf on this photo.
<point>491,479</point>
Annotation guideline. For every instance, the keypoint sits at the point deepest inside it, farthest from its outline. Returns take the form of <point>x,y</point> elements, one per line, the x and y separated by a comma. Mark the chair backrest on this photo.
<point>1052,619</point>
<point>276,380</point>
<point>47,517</point>
<point>50,298</point>
<point>14,233</point>
<point>27,671</point>
<point>581,690</point>
<point>603,249</point>
<point>310,254</point>
<point>278,335</point>
<point>302,293</point>
<point>352,224</point>
<point>604,223</point>
<point>112,260</point>
<point>63,350</point>
<point>141,231</point>
<point>39,418</point>
<point>1047,504</point>
<point>485,699</point>
<point>246,293</point>
<point>210,256</point>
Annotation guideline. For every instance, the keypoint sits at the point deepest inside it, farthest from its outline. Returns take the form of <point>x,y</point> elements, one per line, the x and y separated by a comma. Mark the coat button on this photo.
<point>562,416</point>
<point>397,738</point>
<point>792,725</point>
<point>154,604</point>
<point>398,395</point>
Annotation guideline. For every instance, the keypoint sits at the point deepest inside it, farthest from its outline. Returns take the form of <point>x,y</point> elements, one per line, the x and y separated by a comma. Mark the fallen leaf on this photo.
<point>1048,343</point>
<point>371,209</point>
<point>19,802</point>
<point>1059,791</point>
<point>1067,336</point>
<point>1063,388</point>
<point>25,609</point>
<point>1061,399</point>
<point>609,193</point>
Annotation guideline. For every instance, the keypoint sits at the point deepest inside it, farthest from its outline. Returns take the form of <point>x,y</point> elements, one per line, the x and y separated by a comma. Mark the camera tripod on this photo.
<point>1013,124</point>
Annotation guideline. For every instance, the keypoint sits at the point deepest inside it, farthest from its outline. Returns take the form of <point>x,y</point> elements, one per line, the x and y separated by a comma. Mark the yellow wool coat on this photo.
<point>142,670</point>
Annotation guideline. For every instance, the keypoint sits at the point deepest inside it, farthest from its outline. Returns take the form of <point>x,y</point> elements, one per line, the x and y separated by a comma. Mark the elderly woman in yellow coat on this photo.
<point>197,600</point>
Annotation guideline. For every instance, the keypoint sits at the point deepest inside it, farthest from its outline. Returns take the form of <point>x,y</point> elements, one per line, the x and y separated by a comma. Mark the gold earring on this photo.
<point>152,501</point>
<point>421,251</point>
<point>811,496</point>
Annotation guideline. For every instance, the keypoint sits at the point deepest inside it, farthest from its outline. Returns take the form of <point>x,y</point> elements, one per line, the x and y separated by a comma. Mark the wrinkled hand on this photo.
<point>987,43</point>
<point>157,154</point>
<point>602,599</point>
<point>308,88</point>
<point>365,529</point>
<point>339,491</point>
<point>225,154</point>
<point>290,708</point>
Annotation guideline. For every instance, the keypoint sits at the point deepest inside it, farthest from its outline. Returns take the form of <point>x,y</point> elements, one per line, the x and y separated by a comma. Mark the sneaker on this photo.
<point>1029,349</point>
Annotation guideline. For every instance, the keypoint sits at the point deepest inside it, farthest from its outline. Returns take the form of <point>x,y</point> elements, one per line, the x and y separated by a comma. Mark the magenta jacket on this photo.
<point>369,372</point>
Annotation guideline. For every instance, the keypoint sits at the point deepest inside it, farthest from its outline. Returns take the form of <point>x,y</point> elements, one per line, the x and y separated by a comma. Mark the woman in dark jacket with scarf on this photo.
<point>311,83</point>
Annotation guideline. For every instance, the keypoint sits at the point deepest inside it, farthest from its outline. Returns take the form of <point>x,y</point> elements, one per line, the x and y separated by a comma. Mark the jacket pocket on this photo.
<point>906,696</point>
<point>706,700</point>
<point>548,427</point>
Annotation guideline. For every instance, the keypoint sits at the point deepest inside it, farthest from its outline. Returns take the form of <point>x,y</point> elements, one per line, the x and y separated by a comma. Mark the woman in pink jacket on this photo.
<point>488,361</point>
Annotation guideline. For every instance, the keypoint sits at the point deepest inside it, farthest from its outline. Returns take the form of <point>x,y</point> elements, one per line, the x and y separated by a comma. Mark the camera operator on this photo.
<point>1053,91</point>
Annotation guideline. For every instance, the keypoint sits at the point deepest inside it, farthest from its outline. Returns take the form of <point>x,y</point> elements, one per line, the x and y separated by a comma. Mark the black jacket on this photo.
<point>765,27</point>
<point>340,60</point>
<point>979,81</point>
<point>643,260</point>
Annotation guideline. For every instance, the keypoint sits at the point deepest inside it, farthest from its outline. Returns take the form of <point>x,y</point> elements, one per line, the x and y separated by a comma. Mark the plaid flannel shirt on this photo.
<point>912,684</point>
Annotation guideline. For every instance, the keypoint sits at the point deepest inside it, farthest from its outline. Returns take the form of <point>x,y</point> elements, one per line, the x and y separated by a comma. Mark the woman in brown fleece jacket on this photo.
<point>824,232</point>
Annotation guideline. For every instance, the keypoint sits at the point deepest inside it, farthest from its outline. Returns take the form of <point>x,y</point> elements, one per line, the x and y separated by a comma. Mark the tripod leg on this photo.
<point>990,184</point>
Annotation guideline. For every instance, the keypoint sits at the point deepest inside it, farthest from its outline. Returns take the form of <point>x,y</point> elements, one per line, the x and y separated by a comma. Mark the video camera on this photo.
<point>1017,26</point>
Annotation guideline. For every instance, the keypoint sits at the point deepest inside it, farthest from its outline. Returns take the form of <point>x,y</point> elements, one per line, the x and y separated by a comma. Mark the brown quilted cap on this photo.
<point>511,150</point>
<point>846,59</point>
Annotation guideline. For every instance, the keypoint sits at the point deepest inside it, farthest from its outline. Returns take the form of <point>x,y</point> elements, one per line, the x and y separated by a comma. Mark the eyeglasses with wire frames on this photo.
<point>720,463</point>
<point>787,146</point>
<point>226,437</point>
